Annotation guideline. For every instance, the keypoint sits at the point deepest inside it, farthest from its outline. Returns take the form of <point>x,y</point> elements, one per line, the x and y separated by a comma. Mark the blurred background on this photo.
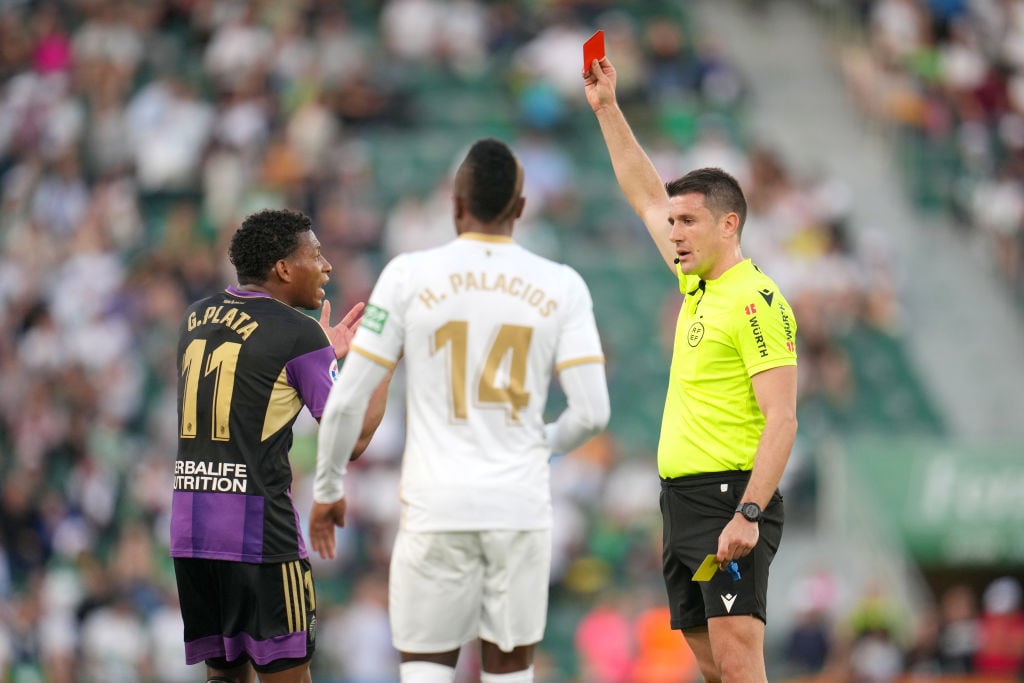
<point>881,147</point>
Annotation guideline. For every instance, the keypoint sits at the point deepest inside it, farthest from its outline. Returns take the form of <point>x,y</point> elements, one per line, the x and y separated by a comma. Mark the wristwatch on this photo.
<point>751,511</point>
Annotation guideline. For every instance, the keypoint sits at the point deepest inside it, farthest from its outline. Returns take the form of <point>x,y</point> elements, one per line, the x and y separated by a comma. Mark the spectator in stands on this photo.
<point>958,629</point>
<point>1001,629</point>
<point>604,640</point>
<point>808,646</point>
<point>361,635</point>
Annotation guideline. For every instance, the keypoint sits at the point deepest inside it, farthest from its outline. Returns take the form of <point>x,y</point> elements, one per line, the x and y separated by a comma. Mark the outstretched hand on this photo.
<point>599,84</point>
<point>342,333</point>
<point>322,520</point>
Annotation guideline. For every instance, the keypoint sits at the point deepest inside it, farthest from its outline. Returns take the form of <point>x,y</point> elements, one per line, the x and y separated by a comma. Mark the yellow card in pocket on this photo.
<point>706,570</point>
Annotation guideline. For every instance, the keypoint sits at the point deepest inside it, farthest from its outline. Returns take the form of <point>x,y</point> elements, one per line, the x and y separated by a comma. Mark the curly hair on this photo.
<point>264,238</point>
<point>492,171</point>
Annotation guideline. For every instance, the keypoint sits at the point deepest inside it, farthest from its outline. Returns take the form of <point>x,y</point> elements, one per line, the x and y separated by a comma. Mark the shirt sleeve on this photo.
<point>312,375</point>
<point>588,409</point>
<point>342,423</point>
<point>376,347</point>
<point>313,369</point>
<point>381,334</point>
<point>766,332</point>
<point>579,341</point>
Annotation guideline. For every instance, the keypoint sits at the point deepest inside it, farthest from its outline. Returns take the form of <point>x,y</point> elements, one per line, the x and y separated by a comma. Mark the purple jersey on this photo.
<point>247,363</point>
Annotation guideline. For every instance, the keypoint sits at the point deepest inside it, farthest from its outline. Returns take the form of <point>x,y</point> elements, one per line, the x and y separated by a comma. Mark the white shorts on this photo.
<point>448,588</point>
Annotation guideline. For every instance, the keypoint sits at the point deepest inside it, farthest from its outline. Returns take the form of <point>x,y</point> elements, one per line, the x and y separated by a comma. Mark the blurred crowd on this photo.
<point>948,75</point>
<point>134,135</point>
<point>622,640</point>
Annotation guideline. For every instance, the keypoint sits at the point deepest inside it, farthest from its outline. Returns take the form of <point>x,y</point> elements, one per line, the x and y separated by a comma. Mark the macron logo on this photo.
<point>727,600</point>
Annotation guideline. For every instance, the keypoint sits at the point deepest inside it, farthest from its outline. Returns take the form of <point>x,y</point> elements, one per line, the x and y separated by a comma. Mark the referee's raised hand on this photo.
<point>599,84</point>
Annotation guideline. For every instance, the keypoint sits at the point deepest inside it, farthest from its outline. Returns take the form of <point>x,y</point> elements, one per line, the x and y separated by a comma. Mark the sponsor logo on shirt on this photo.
<point>787,327</point>
<point>755,329</point>
<point>203,475</point>
<point>374,318</point>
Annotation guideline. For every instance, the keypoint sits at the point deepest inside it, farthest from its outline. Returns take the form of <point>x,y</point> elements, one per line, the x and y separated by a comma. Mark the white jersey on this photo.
<point>482,324</point>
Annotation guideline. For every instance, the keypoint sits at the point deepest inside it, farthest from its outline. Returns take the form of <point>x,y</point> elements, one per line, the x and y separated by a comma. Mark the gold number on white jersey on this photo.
<point>222,361</point>
<point>512,341</point>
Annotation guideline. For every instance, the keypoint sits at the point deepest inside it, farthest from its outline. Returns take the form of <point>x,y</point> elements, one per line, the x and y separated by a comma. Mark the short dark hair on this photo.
<point>722,194</point>
<point>491,171</point>
<point>263,239</point>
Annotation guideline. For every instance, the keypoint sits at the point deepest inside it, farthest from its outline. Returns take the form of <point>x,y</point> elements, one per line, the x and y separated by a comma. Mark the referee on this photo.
<point>730,413</point>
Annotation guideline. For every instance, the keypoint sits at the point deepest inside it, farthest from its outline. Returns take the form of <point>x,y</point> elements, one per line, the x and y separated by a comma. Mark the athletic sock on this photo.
<point>524,676</point>
<point>426,672</point>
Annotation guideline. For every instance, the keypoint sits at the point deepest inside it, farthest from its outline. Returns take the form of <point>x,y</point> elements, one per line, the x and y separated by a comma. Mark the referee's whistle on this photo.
<point>734,570</point>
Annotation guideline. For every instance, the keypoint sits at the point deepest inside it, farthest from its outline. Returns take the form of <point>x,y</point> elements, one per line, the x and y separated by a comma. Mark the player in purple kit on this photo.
<point>248,362</point>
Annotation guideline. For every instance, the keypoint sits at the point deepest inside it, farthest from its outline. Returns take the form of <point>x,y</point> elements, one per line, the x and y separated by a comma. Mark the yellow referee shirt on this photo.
<point>729,329</point>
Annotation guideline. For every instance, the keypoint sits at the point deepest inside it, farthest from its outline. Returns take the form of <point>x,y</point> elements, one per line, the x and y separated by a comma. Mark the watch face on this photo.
<point>751,511</point>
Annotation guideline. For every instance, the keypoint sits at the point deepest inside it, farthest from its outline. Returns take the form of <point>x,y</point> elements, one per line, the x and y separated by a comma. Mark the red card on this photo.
<point>593,49</point>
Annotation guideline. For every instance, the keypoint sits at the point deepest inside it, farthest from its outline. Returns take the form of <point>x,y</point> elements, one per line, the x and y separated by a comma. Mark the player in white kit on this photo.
<point>482,324</point>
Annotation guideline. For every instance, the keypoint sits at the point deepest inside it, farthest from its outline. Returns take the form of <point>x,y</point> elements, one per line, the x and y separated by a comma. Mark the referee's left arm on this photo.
<point>775,390</point>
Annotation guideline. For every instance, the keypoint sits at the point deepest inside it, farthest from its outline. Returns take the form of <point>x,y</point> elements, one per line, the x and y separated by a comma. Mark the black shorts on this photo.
<point>694,511</point>
<point>236,612</point>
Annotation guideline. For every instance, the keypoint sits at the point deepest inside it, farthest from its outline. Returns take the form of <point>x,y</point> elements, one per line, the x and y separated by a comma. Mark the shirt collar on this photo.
<point>734,271</point>
<point>252,295</point>
<point>481,237</point>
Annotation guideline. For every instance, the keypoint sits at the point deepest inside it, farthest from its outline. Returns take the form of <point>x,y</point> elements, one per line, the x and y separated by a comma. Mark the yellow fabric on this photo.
<point>728,330</point>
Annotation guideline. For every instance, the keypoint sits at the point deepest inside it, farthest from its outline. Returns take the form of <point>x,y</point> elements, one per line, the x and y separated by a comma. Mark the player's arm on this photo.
<point>587,407</point>
<point>634,170</point>
<point>341,425</point>
<point>775,391</point>
<point>374,414</point>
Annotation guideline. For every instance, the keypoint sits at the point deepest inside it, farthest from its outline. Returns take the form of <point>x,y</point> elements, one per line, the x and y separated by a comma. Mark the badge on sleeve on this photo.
<point>374,318</point>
